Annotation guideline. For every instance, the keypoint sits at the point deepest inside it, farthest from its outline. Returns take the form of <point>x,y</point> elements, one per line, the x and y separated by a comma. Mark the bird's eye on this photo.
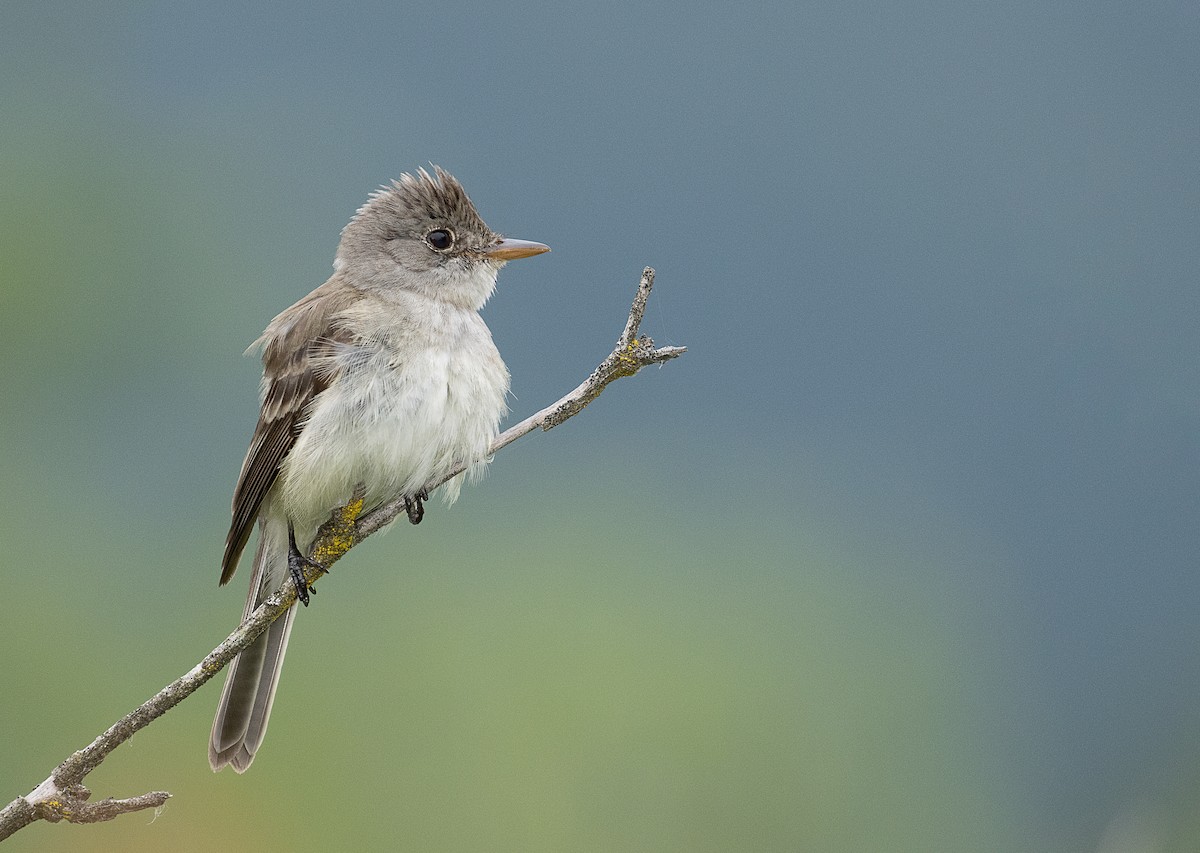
<point>440,239</point>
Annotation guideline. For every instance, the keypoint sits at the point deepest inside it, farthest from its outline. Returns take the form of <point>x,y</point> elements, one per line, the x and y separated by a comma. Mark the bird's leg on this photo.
<point>297,563</point>
<point>415,506</point>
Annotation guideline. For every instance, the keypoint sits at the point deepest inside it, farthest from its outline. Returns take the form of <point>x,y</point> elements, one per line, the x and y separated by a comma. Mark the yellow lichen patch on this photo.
<point>338,535</point>
<point>628,360</point>
<point>56,810</point>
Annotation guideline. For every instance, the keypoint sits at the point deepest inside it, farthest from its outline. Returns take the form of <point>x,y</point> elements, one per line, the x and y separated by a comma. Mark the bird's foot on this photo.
<point>415,506</point>
<point>297,563</point>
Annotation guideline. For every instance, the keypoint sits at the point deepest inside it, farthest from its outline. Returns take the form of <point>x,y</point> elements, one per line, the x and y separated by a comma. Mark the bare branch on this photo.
<point>63,796</point>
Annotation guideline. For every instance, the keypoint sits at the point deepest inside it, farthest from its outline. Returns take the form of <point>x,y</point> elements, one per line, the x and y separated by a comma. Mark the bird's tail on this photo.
<point>245,706</point>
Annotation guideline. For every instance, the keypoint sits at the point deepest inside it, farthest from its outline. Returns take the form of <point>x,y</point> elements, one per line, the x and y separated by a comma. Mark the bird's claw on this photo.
<point>415,507</point>
<point>297,563</point>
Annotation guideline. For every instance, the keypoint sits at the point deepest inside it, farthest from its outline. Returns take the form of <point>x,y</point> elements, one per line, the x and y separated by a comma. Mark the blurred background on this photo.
<point>901,556</point>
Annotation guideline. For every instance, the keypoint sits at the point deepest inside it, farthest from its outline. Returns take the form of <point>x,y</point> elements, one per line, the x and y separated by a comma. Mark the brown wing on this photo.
<point>291,379</point>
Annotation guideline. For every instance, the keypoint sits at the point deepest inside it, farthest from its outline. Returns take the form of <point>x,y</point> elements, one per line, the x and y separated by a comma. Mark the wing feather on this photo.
<point>294,373</point>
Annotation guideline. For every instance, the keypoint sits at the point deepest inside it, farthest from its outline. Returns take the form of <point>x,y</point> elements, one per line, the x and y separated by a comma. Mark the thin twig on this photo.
<point>63,796</point>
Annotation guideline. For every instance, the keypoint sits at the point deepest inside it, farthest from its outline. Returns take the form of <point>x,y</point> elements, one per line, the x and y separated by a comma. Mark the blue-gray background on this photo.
<point>900,556</point>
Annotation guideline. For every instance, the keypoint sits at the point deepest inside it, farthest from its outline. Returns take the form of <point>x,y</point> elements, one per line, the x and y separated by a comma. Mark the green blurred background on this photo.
<point>901,556</point>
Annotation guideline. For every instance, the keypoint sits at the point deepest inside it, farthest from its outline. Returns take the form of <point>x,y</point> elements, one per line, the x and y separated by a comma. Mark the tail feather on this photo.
<point>245,706</point>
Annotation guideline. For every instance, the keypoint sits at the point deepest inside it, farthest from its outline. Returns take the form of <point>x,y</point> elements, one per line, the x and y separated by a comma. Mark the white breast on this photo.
<point>411,401</point>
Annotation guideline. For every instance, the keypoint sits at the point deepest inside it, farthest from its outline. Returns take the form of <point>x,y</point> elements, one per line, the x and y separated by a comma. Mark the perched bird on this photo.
<point>382,380</point>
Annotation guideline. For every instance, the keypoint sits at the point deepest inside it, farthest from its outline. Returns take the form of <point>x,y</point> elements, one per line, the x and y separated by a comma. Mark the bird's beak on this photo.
<point>508,249</point>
